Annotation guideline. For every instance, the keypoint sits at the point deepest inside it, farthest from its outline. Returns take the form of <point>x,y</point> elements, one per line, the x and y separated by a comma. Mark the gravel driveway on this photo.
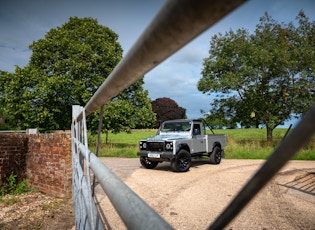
<point>193,200</point>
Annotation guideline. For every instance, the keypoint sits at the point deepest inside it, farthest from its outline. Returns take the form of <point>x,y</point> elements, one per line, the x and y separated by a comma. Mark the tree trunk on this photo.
<point>106,140</point>
<point>269,134</point>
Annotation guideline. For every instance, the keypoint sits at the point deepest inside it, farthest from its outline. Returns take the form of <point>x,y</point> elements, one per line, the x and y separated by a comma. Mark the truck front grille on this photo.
<point>155,146</point>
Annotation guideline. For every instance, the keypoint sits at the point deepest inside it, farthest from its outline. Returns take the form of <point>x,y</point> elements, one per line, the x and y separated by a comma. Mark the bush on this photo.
<point>14,188</point>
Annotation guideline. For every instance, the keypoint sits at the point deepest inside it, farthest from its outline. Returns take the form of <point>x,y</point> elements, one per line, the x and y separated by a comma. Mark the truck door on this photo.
<point>198,141</point>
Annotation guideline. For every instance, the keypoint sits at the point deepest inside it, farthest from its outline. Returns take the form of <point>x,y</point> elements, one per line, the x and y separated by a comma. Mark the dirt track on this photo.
<point>193,200</point>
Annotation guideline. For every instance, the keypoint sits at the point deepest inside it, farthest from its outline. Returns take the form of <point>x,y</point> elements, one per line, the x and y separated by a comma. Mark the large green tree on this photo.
<point>131,109</point>
<point>65,68</point>
<point>266,76</point>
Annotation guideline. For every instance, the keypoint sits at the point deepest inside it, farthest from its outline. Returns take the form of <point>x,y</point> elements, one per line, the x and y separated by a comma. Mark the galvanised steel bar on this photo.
<point>134,212</point>
<point>177,23</point>
<point>98,141</point>
<point>299,136</point>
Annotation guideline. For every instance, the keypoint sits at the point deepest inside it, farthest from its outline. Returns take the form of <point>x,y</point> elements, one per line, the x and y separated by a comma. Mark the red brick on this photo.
<point>48,161</point>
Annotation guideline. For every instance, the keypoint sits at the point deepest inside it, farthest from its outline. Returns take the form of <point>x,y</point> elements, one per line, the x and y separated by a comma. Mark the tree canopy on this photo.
<point>264,77</point>
<point>66,68</point>
<point>167,109</point>
<point>129,110</point>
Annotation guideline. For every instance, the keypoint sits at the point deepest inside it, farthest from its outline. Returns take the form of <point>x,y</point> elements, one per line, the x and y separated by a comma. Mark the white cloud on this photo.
<point>178,80</point>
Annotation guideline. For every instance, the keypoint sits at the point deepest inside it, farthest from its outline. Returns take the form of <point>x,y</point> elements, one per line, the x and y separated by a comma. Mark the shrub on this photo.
<point>14,188</point>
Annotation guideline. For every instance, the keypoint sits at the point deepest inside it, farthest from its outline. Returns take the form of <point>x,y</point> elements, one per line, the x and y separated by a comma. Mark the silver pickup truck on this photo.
<point>177,141</point>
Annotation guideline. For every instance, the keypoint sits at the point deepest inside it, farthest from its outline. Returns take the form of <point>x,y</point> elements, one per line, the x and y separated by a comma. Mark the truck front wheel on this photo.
<point>215,157</point>
<point>182,161</point>
<point>147,163</point>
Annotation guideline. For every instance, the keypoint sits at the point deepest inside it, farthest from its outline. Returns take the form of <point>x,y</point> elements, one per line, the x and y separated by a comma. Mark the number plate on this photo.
<point>154,155</point>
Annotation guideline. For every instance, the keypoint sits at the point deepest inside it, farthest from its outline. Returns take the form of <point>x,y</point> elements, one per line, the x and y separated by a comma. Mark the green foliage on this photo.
<point>221,118</point>
<point>13,187</point>
<point>16,99</point>
<point>265,77</point>
<point>143,115</point>
<point>129,110</point>
<point>120,144</point>
<point>6,126</point>
<point>65,68</point>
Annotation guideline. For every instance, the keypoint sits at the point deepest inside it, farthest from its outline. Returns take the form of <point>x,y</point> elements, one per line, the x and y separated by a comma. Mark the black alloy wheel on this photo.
<point>215,157</point>
<point>182,161</point>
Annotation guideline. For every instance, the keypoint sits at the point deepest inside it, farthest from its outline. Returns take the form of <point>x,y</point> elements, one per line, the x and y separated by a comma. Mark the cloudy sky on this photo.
<point>25,21</point>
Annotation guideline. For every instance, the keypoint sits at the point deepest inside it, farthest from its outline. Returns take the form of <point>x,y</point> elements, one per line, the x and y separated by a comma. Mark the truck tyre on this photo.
<point>182,161</point>
<point>215,157</point>
<point>147,163</point>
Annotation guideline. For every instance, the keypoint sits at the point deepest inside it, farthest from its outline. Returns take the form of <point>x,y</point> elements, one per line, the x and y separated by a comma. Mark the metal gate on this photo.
<point>177,23</point>
<point>135,213</point>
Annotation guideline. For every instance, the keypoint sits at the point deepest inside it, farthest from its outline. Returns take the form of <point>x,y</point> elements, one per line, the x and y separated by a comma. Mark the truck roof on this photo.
<point>183,120</point>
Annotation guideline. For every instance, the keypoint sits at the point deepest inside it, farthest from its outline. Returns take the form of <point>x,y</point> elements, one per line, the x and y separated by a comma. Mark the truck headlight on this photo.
<point>168,146</point>
<point>143,145</point>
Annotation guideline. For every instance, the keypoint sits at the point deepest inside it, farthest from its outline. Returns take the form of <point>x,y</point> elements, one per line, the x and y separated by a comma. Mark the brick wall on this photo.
<point>43,159</point>
<point>13,152</point>
<point>49,167</point>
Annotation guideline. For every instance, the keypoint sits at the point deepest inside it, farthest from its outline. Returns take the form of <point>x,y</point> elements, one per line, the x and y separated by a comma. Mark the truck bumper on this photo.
<point>156,156</point>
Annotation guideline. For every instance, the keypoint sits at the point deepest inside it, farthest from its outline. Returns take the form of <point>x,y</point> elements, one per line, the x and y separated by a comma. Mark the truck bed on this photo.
<point>212,138</point>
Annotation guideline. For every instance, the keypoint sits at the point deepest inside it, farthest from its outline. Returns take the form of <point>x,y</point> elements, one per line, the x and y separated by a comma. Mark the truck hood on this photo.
<point>166,137</point>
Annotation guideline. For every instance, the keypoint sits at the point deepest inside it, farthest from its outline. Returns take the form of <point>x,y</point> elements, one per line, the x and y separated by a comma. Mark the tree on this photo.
<point>17,93</point>
<point>167,109</point>
<point>65,68</point>
<point>221,115</point>
<point>265,77</point>
<point>130,109</point>
<point>143,115</point>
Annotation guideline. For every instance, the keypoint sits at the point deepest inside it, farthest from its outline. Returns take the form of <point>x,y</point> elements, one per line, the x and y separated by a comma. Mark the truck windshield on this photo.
<point>176,127</point>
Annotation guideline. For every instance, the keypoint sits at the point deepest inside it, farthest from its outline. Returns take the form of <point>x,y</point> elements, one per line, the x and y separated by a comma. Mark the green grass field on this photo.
<point>241,144</point>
